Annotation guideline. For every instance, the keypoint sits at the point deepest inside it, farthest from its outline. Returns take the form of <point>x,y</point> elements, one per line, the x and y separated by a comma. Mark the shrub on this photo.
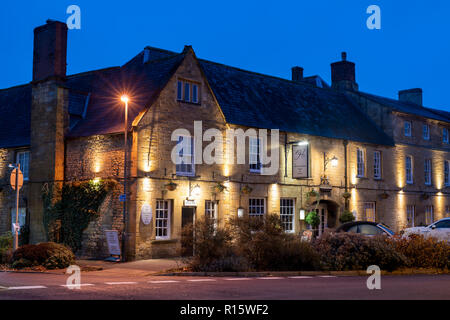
<point>313,219</point>
<point>423,252</point>
<point>49,255</point>
<point>6,244</point>
<point>349,251</point>
<point>346,216</point>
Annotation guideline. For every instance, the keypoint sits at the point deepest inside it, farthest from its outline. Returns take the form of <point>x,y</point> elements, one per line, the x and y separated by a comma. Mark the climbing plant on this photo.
<point>69,209</point>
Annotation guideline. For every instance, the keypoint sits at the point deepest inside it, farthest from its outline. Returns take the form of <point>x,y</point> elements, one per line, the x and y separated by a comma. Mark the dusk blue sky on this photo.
<point>412,49</point>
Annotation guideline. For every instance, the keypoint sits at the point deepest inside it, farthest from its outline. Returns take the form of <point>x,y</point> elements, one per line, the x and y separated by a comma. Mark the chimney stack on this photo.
<point>50,51</point>
<point>297,73</point>
<point>411,95</point>
<point>343,74</point>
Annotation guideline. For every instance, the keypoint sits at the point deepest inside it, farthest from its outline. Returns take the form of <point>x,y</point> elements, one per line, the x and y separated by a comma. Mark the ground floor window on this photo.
<point>369,211</point>
<point>162,219</point>
<point>429,215</point>
<point>256,207</point>
<point>22,217</point>
<point>287,210</point>
<point>410,215</point>
<point>211,211</point>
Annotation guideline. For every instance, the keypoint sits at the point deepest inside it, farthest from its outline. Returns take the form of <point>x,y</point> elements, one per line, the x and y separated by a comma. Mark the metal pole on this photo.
<point>124,236</point>
<point>16,232</point>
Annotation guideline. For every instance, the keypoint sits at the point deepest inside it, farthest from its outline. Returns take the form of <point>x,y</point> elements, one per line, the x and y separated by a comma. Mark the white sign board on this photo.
<point>300,162</point>
<point>190,203</point>
<point>112,238</point>
<point>146,214</point>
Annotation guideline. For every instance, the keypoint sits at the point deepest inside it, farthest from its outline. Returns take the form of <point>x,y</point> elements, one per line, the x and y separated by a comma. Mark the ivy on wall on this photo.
<point>69,209</point>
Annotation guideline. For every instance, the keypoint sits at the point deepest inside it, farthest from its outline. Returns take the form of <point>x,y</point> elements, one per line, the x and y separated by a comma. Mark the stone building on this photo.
<point>382,159</point>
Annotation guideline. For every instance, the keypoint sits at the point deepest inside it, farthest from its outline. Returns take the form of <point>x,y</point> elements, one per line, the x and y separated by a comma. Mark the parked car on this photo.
<point>366,228</point>
<point>439,230</point>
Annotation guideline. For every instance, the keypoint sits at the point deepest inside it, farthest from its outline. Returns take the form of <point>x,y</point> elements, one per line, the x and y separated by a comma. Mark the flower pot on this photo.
<point>246,189</point>
<point>171,186</point>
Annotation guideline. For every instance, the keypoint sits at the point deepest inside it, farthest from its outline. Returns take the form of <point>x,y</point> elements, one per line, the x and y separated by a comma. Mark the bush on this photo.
<point>49,255</point>
<point>423,252</point>
<point>313,219</point>
<point>346,216</point>
<point>6,244</point>
<point>349,251</point>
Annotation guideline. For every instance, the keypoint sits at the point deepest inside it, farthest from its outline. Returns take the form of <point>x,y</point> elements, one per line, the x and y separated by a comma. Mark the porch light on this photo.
<point>334,162</point>
<point>196,190</point>
<point>240,212</point>
<point>302,214</point>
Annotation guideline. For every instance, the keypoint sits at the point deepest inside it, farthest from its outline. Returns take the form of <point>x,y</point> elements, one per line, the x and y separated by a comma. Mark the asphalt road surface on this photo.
<point>108,285</point>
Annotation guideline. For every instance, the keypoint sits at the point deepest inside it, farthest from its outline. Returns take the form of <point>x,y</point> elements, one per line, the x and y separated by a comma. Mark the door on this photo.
<point>187,219</point>
<point>323,213</point>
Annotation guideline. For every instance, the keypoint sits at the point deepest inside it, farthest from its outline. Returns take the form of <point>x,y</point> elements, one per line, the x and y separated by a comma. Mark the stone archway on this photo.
<point>328,212</point>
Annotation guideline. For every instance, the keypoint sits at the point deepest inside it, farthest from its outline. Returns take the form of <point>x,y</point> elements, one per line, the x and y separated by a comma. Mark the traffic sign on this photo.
<point>13,179</point>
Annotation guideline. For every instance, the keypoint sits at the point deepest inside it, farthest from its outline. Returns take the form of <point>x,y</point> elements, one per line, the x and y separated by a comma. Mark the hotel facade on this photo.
<point>385,160</point>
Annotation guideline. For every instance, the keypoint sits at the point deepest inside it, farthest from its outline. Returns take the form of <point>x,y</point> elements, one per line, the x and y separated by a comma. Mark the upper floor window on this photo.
<point>23,158</point>
<point>185,165</point>
<point>407,128</point>
<point>447,173</point>
<point>254,154</point>
<point>445,135</point>
<point>426,132</point>
<point>409,169</point>
<point>360,163</point>
<point>427,169</point>
<point>187,91</point>
<point>377,165</point>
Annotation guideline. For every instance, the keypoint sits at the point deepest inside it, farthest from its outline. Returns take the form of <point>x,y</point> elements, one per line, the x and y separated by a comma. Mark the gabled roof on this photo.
<point>408,107</point>
<point>256,100</point>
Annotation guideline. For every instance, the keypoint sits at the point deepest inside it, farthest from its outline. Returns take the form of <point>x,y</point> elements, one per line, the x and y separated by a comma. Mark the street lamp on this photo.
<point>326,160</point>
<point>125,100</point>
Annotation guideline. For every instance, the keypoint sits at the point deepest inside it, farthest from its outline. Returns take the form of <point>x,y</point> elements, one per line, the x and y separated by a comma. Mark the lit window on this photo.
<point>361,168</point>
<point>426,132</point>
<point>211,209</point>
<point>185,165</point>
<point>287,210</point>
<point>429,215</point>
<point>369,211</point>
<point>254,155</point>
<point>407,129</point>
<point>23,158</point>
<point>445,135</point>
<point>409,170</point>
<point>256,207</point>
<point>446,173</point>
<point>162,219</point>
<point>377,165</point>
<point>427,167</point>
<point>410,215</point>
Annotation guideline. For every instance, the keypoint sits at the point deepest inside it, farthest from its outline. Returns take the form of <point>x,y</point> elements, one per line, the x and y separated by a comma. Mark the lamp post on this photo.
<point>125,100</point>
<point>15,181</point>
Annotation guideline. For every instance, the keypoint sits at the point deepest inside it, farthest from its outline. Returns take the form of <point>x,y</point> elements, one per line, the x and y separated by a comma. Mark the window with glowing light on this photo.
<point>162,219</point>
<point>427,167</point>
<point>23,158</point>
<point>360,163</point>
<point>409,169</point>
<point>410,215</point>
<point>377,165</point>
<point>185,163</point>
<point>287,210</point>
<point>369,211</point>
<point>256,207</point>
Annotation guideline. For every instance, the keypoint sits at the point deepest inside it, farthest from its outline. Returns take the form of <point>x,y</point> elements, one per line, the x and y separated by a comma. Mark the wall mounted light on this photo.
<point>196,190</point>
<point>302,214</point>
<point>240,212</point>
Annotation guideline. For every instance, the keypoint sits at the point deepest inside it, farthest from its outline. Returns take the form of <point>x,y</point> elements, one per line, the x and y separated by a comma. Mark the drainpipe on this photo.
<point>285,155</point>
<point>346,171</point>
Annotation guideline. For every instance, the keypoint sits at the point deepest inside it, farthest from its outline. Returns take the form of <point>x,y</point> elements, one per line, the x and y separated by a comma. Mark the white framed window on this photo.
<point>188,91</point>
<point>23,158</point>
<point>194,93</point>
<point>409,169</point>
<point>254,154</point>
<point>407,128</point>
<point>211,208</point>
<point>162,219</point>
<point>429,215</point>
<point>256,207</point>
<point>427,173</point>
<point>185,165</point>
<point>22,218</point>
<point>369,211</point>
<point>410,215</point>
<point>426,132</point>
<point>377,165</point>
<point>446,173</point>
<point>360,163</point>
<point>445,135</point>
<point>287,213</point>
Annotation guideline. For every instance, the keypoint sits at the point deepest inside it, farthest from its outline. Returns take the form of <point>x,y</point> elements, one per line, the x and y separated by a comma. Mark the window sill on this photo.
<point>164,241</point>
<point>191,103</point>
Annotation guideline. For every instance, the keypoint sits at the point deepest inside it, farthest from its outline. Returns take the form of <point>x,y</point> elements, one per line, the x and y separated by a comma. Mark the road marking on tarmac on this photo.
<point>164,281</point>
<point>77,285</point>
<point>270,278</point>
<point>120,283</point>
<point>238,279</point>
<point>27,288</point>
<point>201,280</point>
<point>300,277</point>
<point>327,276</point>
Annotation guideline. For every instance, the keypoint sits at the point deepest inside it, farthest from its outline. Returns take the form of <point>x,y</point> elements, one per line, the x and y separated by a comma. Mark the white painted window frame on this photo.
<point>252,204</point>
<point>360,163</point>
<point>428,171</point>
<point>287,210</point>
<point>409,175</point>
<point>377,165</point>
<point>157,219</point>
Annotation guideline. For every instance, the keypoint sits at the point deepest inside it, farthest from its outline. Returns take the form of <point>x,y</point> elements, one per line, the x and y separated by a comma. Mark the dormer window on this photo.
<point>407,128</point>
<point>188,91</point>
<point>426,132</point>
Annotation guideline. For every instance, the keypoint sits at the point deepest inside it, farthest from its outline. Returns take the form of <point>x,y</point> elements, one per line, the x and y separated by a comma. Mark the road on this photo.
<point>111,286</point>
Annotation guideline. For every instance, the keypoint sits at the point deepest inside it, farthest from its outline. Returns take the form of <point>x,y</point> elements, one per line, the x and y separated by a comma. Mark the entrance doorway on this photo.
<point>327,211</point>
<point>187,219</point>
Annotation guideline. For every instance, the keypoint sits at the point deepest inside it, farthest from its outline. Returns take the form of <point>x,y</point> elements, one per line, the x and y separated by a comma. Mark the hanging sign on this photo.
<point>19,179</point>
<point>146,214</point>
<point>112,238</point>
<point>300,161</point>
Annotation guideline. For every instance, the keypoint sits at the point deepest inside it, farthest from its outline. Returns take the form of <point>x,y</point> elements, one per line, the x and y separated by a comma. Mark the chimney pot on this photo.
<point>297,73</point>
<point>344,56</point>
